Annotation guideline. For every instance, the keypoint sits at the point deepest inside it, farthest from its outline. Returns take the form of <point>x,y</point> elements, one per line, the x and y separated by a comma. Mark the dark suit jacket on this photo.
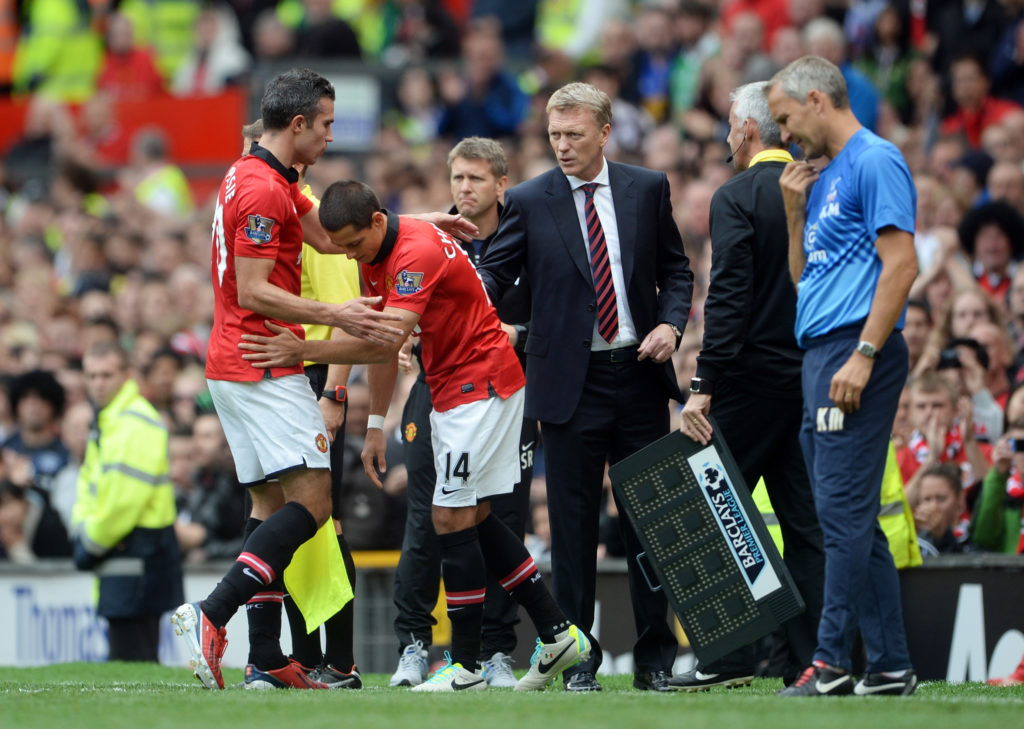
<point>751,305</point>
<point>540,230</point>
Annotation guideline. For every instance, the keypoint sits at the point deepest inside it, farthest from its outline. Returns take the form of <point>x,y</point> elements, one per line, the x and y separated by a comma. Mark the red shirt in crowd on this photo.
<point>974,122</point>
<point>130,76</point>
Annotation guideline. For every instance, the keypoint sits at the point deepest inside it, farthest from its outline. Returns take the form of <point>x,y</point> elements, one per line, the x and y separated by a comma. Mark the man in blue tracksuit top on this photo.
<point>852,255</point>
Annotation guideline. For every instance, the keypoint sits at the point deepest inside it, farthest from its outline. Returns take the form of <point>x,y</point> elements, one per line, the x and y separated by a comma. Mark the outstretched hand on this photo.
<point>454,225</point>
<point>358,318</point>
<point>284,349</point>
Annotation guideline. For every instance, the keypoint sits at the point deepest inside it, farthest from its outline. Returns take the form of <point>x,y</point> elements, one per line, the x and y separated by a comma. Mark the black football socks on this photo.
<point>266,553</point>
<point>510,562</point>
<point>465,586</point>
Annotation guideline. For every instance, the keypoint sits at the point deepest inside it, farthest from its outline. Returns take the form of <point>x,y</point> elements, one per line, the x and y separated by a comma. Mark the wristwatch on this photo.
<point>701,386</point>
<point>867,349</point>
<point>675,330</point>
<point>338,394</point>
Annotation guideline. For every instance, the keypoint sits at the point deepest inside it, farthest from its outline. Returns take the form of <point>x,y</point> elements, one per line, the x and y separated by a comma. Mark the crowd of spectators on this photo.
<point>103,237</point>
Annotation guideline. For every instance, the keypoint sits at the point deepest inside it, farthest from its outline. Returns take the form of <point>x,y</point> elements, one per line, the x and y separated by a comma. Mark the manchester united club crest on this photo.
<point>410,432</point>
<point>321,443</point>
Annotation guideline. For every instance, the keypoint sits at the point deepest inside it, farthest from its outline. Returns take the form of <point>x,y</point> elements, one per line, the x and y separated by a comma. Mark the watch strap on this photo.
<point>338,393</point>
<point>701,386</point>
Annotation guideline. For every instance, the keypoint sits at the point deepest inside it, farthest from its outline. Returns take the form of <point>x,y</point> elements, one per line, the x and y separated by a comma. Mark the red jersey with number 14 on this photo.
<point>257,216</point>
<point>465,351</point>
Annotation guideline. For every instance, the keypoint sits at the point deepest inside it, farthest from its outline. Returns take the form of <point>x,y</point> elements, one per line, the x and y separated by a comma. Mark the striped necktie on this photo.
<point>601,269</point>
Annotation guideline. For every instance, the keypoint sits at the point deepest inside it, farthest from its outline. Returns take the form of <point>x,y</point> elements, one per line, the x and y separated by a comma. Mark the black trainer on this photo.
<point>652,680</point>
<point>903,683</point>
<point>820,679</point>
<point>334,678</point>
<point>582,681</point>
<point>697,680</point>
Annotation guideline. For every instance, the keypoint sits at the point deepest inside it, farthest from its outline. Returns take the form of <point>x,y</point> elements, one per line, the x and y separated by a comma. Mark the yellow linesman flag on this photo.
<point>316,578</point>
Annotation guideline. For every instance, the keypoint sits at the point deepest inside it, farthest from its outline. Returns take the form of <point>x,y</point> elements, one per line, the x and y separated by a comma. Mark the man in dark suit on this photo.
<point>611,290</point>
<point>748,371</point>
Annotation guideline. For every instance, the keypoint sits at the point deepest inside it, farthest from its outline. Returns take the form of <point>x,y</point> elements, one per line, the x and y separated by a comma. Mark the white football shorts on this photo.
<point>476,450</point>
<point>272,426</point>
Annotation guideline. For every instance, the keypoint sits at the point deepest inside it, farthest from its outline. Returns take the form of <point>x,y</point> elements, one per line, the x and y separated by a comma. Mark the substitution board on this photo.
<point>706,543</point>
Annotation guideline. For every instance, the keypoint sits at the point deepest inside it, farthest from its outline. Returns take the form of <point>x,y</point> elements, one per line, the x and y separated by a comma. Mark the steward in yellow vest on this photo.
<point>123,519</point>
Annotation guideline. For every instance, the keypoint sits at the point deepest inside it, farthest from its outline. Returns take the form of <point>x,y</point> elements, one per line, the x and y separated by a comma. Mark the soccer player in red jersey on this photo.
<point>476,384</point>
<point>270,417</point>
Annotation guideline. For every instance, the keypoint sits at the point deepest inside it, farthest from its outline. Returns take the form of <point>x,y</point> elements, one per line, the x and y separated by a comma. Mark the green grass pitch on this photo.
<point>116,695</point>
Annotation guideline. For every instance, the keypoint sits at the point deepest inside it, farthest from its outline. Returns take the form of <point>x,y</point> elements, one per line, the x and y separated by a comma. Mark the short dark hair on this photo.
<point>151,143</point>
<point>348,202</point>
<point>974,57</point>
<point>948,472</point>
<point>296,92</point>
<point>105,322</point>
<point>163,353</point>
<point>81,178</point>
<point>923,305</point>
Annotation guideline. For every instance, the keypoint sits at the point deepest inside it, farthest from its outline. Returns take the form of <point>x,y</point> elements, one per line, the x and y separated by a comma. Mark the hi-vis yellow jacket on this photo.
<point>123,520</point>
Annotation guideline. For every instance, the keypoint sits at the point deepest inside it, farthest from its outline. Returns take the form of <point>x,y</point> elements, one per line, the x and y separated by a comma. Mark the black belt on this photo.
<point>622,354</point>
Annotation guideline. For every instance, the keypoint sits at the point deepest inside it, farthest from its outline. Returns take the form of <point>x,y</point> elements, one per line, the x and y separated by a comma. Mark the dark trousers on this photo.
<point>846,460</point>
<point>763,435</point>
<point>623,408</point>
<point>134,639</point>
<point>419,568</point>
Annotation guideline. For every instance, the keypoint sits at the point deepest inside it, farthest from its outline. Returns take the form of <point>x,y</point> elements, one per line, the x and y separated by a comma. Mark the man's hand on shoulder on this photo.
<point>454,225</point>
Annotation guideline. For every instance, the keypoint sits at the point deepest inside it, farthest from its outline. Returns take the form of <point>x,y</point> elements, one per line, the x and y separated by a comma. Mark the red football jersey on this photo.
<point>257,216</point>
<point>465,350</point>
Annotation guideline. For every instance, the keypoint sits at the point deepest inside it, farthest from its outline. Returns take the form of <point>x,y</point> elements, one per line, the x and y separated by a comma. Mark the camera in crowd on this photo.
<point>949,358</point>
